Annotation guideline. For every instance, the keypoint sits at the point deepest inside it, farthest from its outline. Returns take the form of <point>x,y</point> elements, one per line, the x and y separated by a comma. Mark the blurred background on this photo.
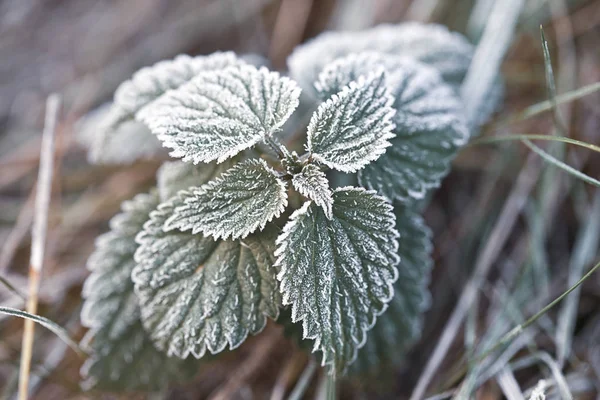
<point>519,230</point>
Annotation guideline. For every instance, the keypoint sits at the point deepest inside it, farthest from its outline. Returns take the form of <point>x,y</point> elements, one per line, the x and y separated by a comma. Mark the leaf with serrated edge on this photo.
<point>150,83</point>
<point>122,354</point>
<point>338,274</point>
<point>430,125</point>
<point>198,294</point>
<point>242,200</point>
<point>218,114</point>
<point>354,126</point>
<point>400,325</point>
<point>311,182</point>
<point>448,52</point>
<point>174,176</point>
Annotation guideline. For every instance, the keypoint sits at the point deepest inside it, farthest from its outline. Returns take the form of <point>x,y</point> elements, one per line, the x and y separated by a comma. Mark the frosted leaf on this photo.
<point>122,355</point>
<point>353,127</point>
<point>108,143</point>
<point>150,83</point>
<point>174,176</point>
<point>217,115</point>
<point>448,52</point>
<point>198,294</point>
<point>337,273</point>
<point>311,182</point>
<point>242,200</point>
<point>429,119</point>
<point>400,325</point>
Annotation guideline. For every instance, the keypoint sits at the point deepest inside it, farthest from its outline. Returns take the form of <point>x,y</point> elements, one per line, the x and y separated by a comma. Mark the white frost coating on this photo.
<point>150,83</point>
<point>311,182</point>
<point>198,294</point>
<point>174,176</point>
<point>429,122</point>
<point>122,355</point>
<point>448,52</point>
<point>218,114</point>
<point>400,325</point>
<point>354,126</point>
<point>242,200</point>
<point>338,274</point>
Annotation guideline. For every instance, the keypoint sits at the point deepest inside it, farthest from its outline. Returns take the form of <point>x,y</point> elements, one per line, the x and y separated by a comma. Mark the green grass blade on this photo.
<point>565,167</point>
<point>46,323</point>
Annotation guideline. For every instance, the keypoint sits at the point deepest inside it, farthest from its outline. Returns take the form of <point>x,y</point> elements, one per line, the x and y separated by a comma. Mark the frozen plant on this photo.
<point>248,224</point>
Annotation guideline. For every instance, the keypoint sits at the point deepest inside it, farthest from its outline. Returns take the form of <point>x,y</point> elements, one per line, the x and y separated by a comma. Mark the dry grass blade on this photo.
<point>498,237</point>
<point>40,226</point>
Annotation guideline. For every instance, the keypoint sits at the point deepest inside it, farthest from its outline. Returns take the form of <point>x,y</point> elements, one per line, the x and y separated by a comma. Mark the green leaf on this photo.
<point>174,176</point>
<point>218,114</point>
<point>150,83</point>
<point>242,200</point>
<point>353,127</point>
<point>430,125</point>
<point>400,325</point>
<point>337,273</point>
<point>311,182</point>
<point>123,357</point>
<point>448,52</point>
<point>197,293</point>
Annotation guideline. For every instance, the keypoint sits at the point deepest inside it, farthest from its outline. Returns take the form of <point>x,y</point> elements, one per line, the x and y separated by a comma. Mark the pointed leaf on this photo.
<point>430,125</point>
<point>197,293</point>
<point>219,114</point>
<point>242,200</point>
<point>400,325</point>
<point>352,128</point>
<point>150,83</point>
<point>174,176</point>
<point>123,357</point>
<point>448,52</point>
<point>337,274</point>
<point>311,182</point>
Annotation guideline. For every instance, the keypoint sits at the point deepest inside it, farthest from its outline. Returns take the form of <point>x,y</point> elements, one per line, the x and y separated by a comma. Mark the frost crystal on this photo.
<point>123,357</point>
<point>353,127</point>
<point>217,115</point>
<point>174,176</point>
<point>448,52</point>
<point>311,182</point>
<point>197,293</point>
<point>242,200</point>
<point>429,119</point>
<point>337,274</point>
<point>400,325</point>
<point>150,83</point>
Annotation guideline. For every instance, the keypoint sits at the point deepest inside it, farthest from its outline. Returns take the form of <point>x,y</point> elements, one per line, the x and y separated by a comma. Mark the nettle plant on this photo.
<point>314,226</point>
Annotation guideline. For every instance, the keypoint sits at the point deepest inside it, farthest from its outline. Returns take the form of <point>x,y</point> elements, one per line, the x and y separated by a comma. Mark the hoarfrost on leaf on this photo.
<point>354,126</point>
<point>242,200</point>
<point>400,325</point>
<point>122,354</point>
<point>338,273</point>
<point>448,52</point>
<point>150,83</point>
<point>218,114</point>
<point>197,293</point>
<point>174,176</point>
<point>311,182</point>
<point>429,120</point>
